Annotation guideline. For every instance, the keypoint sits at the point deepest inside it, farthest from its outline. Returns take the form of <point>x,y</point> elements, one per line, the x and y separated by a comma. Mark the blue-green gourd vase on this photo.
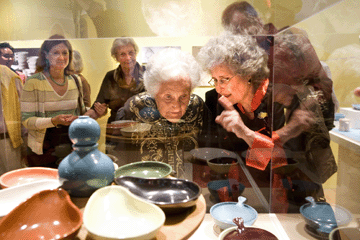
<point>86,169</point>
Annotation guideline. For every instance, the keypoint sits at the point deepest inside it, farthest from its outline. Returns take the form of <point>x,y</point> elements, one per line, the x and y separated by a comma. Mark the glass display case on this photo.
<point>298,148</point>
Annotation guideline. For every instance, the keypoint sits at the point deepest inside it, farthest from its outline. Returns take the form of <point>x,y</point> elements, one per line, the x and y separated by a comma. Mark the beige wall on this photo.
<point>28,19</point>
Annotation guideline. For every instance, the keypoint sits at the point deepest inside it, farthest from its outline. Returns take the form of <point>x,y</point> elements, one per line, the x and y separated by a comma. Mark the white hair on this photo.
<point>121,42</point>
<point>170,64</point>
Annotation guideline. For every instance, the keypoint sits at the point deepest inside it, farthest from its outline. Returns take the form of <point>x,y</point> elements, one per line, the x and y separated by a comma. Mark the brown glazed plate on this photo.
<point>49,214</point>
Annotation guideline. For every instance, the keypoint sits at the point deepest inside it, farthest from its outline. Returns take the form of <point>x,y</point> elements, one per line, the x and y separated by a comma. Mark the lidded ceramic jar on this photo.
<point>86,169</point>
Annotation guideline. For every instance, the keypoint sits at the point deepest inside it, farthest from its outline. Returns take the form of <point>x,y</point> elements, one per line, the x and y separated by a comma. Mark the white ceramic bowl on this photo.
<point>113,212</point>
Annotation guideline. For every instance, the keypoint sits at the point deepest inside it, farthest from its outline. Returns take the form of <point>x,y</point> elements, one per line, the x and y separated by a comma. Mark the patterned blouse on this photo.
<point>166,141</point>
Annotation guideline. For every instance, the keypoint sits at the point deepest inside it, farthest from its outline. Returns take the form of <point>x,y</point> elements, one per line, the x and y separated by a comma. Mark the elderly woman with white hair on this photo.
<point>169,106</point>
<point>251,119</point>
<point>121,83</point>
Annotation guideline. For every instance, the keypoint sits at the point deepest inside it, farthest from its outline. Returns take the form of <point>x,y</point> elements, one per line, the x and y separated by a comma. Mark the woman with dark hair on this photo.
<point>50,102</point>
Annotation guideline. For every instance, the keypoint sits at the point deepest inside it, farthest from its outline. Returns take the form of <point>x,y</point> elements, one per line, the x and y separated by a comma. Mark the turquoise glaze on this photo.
<point>86,169</point>
<point>324,217</point>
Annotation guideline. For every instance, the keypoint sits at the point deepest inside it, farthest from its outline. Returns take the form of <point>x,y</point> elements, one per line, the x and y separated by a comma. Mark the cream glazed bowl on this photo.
<point>113,212</point>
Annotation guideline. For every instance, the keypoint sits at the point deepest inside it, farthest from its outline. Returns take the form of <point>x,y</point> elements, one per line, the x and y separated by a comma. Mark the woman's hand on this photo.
<point>63,119</point>
<point>100,109</point>
<point>231,121</point>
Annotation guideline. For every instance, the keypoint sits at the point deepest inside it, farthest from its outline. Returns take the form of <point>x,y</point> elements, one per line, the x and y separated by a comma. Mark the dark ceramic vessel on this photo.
<point>230,186</point>
<point>170,194</point>
<point>250,233</point>
<point>240,232</point>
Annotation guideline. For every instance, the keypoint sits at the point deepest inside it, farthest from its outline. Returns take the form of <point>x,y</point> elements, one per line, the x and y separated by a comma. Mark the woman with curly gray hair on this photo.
<point>250,117</point>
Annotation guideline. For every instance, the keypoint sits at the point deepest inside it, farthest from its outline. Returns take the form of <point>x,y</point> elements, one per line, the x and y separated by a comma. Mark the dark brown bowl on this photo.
<point>222,165</point>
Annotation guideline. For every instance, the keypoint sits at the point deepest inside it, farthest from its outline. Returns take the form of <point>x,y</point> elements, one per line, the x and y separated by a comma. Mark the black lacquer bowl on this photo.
<point>172,195</point>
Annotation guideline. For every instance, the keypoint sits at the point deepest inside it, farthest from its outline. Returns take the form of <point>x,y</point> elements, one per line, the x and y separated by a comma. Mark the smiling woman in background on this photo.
<point>119,84</point>
<point>49,103</point>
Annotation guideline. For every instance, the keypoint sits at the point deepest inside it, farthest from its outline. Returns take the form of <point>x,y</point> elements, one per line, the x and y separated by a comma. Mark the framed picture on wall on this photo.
<point>25,60</point>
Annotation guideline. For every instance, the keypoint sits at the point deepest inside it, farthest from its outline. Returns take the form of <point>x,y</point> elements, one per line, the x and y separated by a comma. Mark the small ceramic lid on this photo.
<point>227,211</point>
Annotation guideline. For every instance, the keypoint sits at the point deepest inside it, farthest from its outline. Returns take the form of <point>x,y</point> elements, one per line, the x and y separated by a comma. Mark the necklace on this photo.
<point>59,84</point>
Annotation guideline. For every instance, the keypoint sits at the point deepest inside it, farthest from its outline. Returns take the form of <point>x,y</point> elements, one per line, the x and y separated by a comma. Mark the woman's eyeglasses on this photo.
<point>224,81</point>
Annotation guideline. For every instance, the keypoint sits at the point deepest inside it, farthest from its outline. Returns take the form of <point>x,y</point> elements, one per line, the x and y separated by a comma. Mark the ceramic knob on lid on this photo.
<point>86,169</point>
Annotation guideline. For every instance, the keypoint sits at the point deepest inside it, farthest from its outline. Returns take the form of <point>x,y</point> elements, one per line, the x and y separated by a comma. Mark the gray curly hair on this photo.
<point>120,42</point>
<point>170,64</point>
<point>240,53</point>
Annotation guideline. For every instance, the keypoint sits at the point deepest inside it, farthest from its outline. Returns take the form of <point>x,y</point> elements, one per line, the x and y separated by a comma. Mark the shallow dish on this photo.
<point>136,130</point>
<point>229,187</point>
<point>170,194</point>
<point>113,212</point>
<point>26,175</point>
<point>114,128</point>
<point>146,169</point>
<point>49,214</point>
<point>224,213</point>
<point>205,154</point>
<point>10,198</point>
<point>324,217</point>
